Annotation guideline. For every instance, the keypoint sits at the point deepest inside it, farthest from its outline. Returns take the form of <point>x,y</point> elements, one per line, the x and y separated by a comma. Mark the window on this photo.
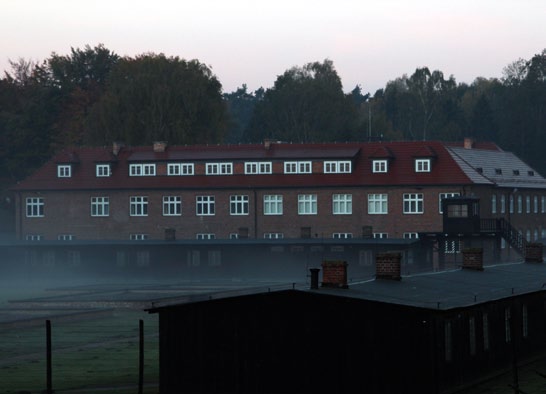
<point>485,321</point>
<point>258,167</point>
<point>297,167</point>
<point>238,205</point>
<point>527,204</point>
<point>138,206</point>
<point>205,236</point>
<point>307,204</point>
<point>520,204</point>
<point>204,205</point>
<point>180,169</point>
<point>472,335</point>
<point>102,170</point>
<point>272,204</point>
<point>35,207</point>
<point>142,169</point>
<point>515,172</point>
<point>511,203</point>
<point>441,196</point>
<point>498,171</point>
<point>337,167</point>
<point>138,237</point>
<point>100,206</point>
<point>273,235</point>
<point>411,235</point>
<point>493,203</point>
<point>535,204</point>
<point>64,171</point>
<point>531,173</point>
<point>451,247</point>
<point>542,204</point>
<point>379,166</point>
<point>172,206</point>
<point>422,165</point>
<point>219,168</point>
<point>34,237</point>
<point>457,211</point>
<point>65,237</point>
<point>380,235</point>
<point>342,235</point>
<point>413,203</point>
<point>377,204</point>
<point>342,204</point>
<point>503,203</point>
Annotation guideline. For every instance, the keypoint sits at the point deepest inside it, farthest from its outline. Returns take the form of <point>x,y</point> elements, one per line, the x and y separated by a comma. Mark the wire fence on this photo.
<point>113,353</point>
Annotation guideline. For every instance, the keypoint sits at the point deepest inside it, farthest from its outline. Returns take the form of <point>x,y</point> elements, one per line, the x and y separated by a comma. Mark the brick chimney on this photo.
<point>473,259</point>
<point>388,265</point>
<point>533,252</point>
<point>334,274</point>
<point>160,146</point>
<point>468,143</point>
<point>116,147</point>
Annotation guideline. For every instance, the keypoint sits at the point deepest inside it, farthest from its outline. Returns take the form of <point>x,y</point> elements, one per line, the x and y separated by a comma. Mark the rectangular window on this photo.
<point>441,196</point>
<point>204,205</point>
<point>100,206</point>
<point>493,203</point>
<point>511,203</point>
<point>377,204</point>
<point>535,204</point>
<point>65,237</point>
<point>297,167</point>
<point>258,167</point>
<point>411,235</point>
<point>273,204</point>
<point>307,204</point>
<point>342,235</point>
<point>138,206</point>
<point>205,236</point>
<point>64,170</point>
<point>503,203</point>
<point>273,235</point>
<point>379,166</point>
<point>413,203</point>
<point>103,170</point>
<point>485,322</point>
<point>337,167</point>
<point>34,237</point>
<point>238,205</point>
<point>451,247</point>
<point>422,165</point>
<point>142,169</point>
<point>472,335</point>
<point>138,237</point>
<point>542,204</point>
<point>342,204</point>
<point>380,235</point>
<point>457,211</point>
<point>219,168</point>
<point>35,207</point>
<point>180,169</point>
<point>520,204</point>
<point>527,204</point>
<point>172,206</point>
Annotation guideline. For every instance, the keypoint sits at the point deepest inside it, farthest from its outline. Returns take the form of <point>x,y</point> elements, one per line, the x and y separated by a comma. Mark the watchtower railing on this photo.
<point>507,231</point>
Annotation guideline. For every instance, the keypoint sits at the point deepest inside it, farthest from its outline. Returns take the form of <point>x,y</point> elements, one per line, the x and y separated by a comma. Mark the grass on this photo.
<point>88,354</point>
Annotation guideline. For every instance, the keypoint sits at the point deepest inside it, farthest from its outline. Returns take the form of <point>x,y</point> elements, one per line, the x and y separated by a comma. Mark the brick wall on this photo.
<point>334,274</point>
<point>388,265</point>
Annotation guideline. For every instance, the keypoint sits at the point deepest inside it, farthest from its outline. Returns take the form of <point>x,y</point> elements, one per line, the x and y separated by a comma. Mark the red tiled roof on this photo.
<point>401,169</point>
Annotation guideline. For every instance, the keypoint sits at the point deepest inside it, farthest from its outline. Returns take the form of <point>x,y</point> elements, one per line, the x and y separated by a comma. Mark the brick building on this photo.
<point>273,190</point>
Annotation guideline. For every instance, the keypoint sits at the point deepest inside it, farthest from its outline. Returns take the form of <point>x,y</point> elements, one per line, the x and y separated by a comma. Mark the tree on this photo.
<point>154,97</point>
<point>305,104</point>
<point>240,105</point>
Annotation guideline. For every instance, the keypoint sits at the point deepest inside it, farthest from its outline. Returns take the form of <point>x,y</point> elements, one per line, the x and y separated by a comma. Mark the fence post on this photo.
<point>49,383</point>
<point>141,357</point>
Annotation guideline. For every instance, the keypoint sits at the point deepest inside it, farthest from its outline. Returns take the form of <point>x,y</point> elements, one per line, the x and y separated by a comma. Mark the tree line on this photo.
<point>93,97</point>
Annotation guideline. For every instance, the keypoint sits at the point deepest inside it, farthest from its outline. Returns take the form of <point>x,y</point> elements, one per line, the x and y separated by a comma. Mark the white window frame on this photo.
<point>142,169</point>
<point>381,235</point>
<point>35,207</point>
<point>138,237</point>
<point>273,204</point>
<point>422,165</point>
<point>65,237</point>
<point>100,206</point>
<point>203,236</point>
<point>378,203</point>
<point>337,167</point>
<point>413,204</point>
<point>535,204</point>
<point>205,205</point>
<point>138,206</point>
<point>102,170</point>
<point>298,167</point>
<point>452,246</point>
<point>180,169</point>
<point>64,170</point>
<point>527,204</point>
<point>441,196</point>
<point>411,235</point>
<point>238,205</point>
<point>273,235</point>
<point>502,203</point>
<point>342,235</point>
<point>307,204</point>
<point>219,168</point>
<point>493,203</point>
<point>258,167</point>
<point>34,237</point>
<point>520,203</point>
<point>172,206</point>
<point>380,166</point>
<point>342,204</point>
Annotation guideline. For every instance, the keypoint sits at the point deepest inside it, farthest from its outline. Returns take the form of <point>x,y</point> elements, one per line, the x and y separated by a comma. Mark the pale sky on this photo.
<point>252,42</point>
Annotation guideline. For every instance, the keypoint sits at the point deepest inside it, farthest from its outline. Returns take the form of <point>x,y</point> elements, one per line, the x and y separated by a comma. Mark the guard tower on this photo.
<point>461,215</point>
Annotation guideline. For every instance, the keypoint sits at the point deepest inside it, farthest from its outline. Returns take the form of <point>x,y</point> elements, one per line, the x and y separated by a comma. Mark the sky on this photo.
<point>250,42</point>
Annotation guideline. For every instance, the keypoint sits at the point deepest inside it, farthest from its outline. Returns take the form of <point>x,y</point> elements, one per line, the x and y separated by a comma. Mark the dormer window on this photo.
<point>422,165</point>
<point>516,172</point>
<point>297,167</point>
<point>498,171</point>
<point>531,173</point>
<point>103,170</point>
<point>219,168</point>
<point>479,170</point>
<point>142,169</point>
<point>64,171</point>
<point>337,167</point>
<point>379,166</point>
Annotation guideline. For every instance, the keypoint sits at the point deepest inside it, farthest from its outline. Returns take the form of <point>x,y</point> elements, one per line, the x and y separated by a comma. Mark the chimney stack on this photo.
<point>468,143</point>
<point>473,259</point>
<point>116,147</point>
<point>334,274</point>
<point>388,265</point>
<point>160,146</point>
